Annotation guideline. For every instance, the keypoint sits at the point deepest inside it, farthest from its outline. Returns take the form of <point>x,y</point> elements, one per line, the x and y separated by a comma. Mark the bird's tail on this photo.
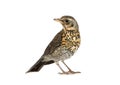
<point>37,66</point>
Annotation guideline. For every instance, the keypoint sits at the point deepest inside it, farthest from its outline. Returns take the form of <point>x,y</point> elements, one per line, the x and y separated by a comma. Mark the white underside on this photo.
<point>58,55</point>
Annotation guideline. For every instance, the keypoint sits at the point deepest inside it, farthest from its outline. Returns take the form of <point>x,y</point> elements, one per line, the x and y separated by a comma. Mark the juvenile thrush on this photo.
<point>62,47</point>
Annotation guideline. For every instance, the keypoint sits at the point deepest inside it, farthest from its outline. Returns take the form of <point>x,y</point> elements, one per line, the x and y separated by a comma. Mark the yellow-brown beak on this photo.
<point>58,20</point>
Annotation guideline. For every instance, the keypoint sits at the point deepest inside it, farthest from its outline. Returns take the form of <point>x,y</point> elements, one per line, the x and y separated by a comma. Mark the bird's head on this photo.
<point>68,22</point>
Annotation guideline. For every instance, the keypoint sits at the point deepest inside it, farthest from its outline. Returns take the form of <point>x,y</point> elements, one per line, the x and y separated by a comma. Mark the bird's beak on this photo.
<point>58,20</point>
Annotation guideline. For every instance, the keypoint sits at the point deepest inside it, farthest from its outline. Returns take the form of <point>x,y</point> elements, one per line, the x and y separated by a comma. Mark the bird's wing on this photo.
<point>54,44</point>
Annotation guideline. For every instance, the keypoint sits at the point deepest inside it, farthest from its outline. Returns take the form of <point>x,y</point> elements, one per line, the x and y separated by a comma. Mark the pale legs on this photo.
<point>69,70</point>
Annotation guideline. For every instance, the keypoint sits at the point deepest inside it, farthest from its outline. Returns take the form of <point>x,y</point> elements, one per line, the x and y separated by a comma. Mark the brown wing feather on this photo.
<point>55,43</point>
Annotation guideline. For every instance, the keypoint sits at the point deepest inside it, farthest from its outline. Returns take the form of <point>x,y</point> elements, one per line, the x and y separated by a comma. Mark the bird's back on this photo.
<point>54,44</point>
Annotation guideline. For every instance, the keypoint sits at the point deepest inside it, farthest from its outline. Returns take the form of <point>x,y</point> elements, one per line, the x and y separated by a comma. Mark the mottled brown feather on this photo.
<point>54,44</point>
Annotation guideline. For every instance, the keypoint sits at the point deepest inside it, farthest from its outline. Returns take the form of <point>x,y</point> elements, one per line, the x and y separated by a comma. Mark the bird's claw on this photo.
<point>69,72</point>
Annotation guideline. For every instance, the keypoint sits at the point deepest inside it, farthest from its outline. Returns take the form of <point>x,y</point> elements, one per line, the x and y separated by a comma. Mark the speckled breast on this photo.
<point>71,40</point>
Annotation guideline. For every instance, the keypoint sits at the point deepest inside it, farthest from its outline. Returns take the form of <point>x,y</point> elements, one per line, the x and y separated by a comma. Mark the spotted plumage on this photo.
<point>71,40</point>
<point>62,47</point>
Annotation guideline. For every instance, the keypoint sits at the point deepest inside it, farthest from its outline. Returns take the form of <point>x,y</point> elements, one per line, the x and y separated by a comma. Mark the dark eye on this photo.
<point>66,20</point>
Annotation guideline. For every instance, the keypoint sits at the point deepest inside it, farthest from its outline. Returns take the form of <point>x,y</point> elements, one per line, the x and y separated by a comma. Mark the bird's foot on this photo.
<point>69,72</point>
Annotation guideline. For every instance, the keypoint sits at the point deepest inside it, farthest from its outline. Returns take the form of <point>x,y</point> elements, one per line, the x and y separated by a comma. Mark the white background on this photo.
<point>27,27</point>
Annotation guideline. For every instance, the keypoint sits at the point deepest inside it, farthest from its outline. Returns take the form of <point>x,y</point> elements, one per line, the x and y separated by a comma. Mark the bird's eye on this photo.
<point>66,20</point>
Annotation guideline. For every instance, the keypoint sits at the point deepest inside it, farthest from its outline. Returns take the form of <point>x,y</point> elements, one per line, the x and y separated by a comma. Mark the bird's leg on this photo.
<point>66,66</point>
<point>70,71</point>
<point>63,72</point>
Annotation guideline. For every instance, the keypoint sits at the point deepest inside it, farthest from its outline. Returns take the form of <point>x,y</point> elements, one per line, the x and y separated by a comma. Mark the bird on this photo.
<point>62,47</point>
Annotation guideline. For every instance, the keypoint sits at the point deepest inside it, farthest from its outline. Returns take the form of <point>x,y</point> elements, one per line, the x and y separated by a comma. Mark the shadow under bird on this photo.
<point>62,47</point>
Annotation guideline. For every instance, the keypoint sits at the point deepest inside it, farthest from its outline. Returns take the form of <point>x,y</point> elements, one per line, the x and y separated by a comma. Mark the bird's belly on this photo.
<point>59,54</point>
